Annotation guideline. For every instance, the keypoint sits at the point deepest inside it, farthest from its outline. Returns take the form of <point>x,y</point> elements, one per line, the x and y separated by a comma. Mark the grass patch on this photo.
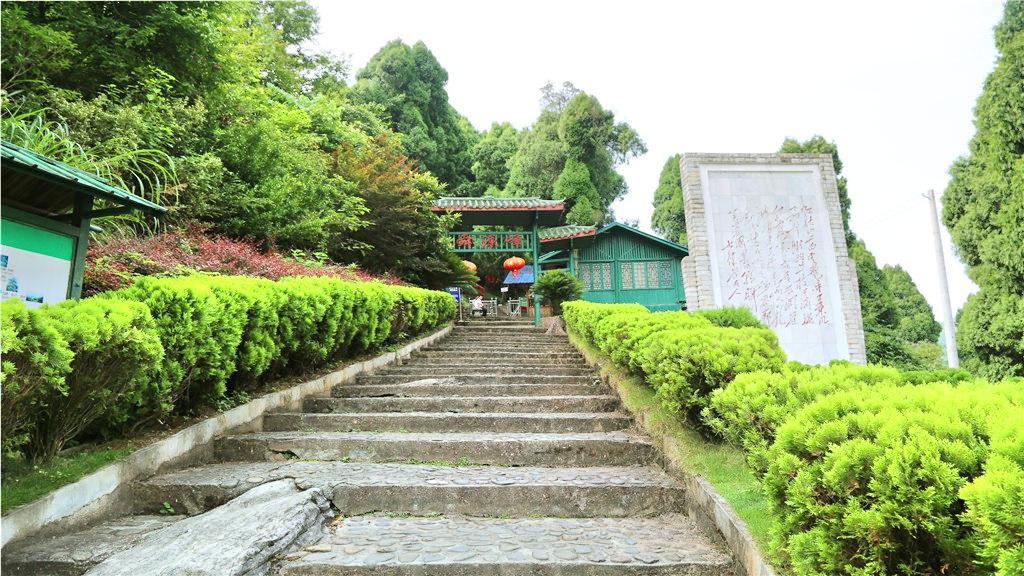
<point>723,465</point>
<point>24,482</point>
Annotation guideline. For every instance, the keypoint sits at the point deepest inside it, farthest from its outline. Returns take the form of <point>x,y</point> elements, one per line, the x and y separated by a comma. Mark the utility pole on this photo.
<point>949,329</point>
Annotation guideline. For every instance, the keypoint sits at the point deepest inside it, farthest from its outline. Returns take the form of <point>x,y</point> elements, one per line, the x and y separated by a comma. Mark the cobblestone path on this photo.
<point>494,451</point>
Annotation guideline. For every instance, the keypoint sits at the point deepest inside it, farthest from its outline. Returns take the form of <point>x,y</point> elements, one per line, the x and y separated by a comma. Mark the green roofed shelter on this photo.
<point>522,218</point>
<point>48,207</point>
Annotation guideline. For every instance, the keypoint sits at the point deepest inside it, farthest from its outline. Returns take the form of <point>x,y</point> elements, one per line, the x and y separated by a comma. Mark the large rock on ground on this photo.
<point>237,539</point>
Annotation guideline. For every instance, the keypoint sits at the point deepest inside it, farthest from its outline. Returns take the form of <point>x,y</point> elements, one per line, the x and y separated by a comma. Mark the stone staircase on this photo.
<point>494,451</point>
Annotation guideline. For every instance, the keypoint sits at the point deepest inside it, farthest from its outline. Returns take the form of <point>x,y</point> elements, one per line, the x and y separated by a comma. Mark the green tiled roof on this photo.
<point>61,173</point>
<point>563,232</point>
<point>492,203</point>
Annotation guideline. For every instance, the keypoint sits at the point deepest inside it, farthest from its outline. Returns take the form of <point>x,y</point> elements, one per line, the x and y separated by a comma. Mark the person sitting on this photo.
<point>478,306</point>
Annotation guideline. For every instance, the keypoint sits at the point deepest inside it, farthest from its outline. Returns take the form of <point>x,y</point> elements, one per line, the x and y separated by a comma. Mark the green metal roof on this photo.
<point>30,162</point>
<point>457,204</point>
<point>666,243</point>
<point>564,232</point>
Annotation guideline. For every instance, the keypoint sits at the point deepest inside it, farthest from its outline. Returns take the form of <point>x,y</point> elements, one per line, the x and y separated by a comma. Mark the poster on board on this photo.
<point>35,264</point>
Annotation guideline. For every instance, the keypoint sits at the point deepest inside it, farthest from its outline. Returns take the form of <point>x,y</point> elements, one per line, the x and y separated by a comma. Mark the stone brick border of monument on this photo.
<point>105,493</point>
<point>697,267</point>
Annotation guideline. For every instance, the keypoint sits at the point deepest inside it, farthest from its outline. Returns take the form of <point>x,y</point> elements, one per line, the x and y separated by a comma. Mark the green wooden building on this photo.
<point>624,264</point>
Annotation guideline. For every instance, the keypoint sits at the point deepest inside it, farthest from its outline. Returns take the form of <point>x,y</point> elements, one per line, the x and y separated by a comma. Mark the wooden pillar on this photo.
<point>81,220</point>
<point>536,273</point>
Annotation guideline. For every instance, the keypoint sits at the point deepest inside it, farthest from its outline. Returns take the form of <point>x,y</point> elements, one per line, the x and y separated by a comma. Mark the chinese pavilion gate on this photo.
<point>534,218</point>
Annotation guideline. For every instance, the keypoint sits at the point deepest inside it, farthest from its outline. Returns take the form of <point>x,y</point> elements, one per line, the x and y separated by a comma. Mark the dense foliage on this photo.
<point>669,218</point>
<point>168,346</point>
<point>872,471</point>
<point>983,206</point>
<point>571,153</point>
<point>681,355</point>
<point>408,83</point>
<point>218,111</point>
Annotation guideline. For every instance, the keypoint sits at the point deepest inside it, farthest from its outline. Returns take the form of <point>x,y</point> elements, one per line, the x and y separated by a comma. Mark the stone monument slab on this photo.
<point>765,231</point>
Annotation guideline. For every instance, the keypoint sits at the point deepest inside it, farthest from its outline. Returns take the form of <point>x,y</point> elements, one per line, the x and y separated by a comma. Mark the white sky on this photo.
<point>893,83</point>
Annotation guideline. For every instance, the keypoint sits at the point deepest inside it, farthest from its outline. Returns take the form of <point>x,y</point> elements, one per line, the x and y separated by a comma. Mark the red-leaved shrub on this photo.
<point>114,263</point>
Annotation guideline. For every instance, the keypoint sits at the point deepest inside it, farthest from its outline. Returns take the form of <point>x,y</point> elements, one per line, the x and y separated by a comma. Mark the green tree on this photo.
<point>402,234</point>
<point>491,156</point>
<point>408,82</point>
<point>575,187</point>
<point>819,145</point>
<point>917,320</point>
<point>983,206</point>
<point>573,126</point>
<point>669,218</point>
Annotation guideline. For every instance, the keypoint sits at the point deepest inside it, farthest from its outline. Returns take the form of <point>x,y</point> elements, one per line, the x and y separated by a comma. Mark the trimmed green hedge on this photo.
<point>683,356</point>
<point>620,334</point>
<point>868,481</point>
<point>873,471</point>
<point>731,317</point>
<point>685,366</point>
<point>582,317</point>
<point>127,358</point>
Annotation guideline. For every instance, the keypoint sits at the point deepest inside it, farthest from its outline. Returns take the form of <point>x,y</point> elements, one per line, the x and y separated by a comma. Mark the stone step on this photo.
<point>375,544</point>
<point>424,489</point>
<point>478,378</point>
<point>77,552</point>
<point>491,353</point>
<point>459,362</point>
<point>425,388</point>
<point>510,337</point>
<point>484,448</point>
<point>496,325</point>
<point>485,367</point>
<point>461,404</point>
<point>533,422</point>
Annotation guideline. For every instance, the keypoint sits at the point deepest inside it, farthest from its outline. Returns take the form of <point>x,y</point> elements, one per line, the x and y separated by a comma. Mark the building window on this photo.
<point>596,275</point>
<point>647,275</point>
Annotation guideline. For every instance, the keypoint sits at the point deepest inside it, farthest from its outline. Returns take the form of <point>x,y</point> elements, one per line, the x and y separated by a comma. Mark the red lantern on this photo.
<point>470,265</point>
<point>514,264</point>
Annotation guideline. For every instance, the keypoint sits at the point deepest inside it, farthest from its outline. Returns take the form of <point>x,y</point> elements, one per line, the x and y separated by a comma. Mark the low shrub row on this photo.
<point>871,470</point>
<point>124,359</point>
<point>682,356</point>
<point>875,481</point>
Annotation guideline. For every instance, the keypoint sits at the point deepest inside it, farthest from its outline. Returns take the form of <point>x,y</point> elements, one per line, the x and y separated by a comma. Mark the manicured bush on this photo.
<point>200,334</point>
<point>731,317</point>
<point>581,317</point>
<point>995,500</point>
<point>618,335</point>
<point>36,359</point>
<point>750,409</point>
<point>685,366</point>
<point>116,352</point>
<point>867,483</point>
<point>115,362</point>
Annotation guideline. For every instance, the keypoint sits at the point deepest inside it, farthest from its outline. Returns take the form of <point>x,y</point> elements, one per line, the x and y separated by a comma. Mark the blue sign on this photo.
<point>454,291</point>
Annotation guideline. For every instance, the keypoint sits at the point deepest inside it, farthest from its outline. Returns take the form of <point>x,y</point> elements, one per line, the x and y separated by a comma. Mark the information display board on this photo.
<point>35,263</point>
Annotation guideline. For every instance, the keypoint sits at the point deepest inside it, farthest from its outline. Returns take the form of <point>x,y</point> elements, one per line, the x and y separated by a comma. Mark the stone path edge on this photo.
<point>701,496</point>
<point>101,493</point>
